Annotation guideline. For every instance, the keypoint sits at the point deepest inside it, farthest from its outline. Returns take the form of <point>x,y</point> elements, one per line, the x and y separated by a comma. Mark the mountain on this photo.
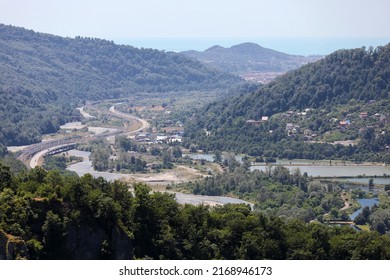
<point>344,96</point>
<point>43,78</point>
<point>247,59</point>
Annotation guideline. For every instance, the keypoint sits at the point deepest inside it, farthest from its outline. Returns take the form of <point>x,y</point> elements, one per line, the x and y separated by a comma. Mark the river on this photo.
<point>319,168</point>
<point>369,202</point>
<point>84,167</point>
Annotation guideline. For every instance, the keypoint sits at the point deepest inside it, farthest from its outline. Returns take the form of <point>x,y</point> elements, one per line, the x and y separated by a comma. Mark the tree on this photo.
<point>53,231</point>
<point>217,156</point>
<point>167,159</point>
<point>176,152</point>
<point>5,176</point>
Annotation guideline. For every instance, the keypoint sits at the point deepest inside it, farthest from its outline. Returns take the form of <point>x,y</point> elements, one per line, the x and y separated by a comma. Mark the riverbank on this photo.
<point>331,171</point>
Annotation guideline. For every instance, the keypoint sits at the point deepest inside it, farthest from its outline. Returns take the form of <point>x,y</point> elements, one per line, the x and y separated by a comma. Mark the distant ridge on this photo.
<point>247,58</point>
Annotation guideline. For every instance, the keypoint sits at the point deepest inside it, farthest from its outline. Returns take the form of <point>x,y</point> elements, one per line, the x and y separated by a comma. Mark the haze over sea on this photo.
<point>296,46</point>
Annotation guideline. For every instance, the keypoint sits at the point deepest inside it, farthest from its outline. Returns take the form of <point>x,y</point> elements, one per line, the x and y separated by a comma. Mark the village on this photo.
<point>342,127</point>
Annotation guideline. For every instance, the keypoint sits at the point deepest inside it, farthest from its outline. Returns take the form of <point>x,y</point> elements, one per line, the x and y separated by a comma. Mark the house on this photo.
<point>296,129</point>
<point>289,126</point>
<point>161,138</point>
<point>141,137</point>
<point>308,132</point>
<point>344,123</point>
<point>264,118</point>
<point>175,138</point>
<point>363,115</point>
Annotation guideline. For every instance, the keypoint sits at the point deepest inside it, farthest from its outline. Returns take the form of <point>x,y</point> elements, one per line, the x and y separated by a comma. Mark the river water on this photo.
<point>369,202</point>
<point>317,168</point>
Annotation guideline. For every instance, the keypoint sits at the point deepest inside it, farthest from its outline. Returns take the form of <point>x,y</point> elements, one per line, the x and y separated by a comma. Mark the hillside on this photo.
<point>249,59</point>
<point>344,96</point>
<point>44,77</point>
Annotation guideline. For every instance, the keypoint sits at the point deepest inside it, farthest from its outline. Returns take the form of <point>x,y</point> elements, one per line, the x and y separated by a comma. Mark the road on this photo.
<point>39,150</point>
<point>85,114</point>
<point>144,124</point>
<point>34,162</point>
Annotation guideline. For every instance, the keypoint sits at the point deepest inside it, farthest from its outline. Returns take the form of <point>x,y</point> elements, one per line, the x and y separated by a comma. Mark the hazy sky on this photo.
<point>201,18</point>
<point>127,20</point>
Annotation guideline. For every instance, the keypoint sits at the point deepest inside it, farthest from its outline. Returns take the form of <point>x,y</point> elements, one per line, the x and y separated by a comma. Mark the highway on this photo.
<point>36,151</point>
<point>144,124</point>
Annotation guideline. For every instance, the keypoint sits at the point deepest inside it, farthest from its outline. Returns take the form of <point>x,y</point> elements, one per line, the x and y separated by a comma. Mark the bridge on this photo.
<point>61,149</point>
<point>28,152</point>
<point>36,151</point>
<point>339,222</point>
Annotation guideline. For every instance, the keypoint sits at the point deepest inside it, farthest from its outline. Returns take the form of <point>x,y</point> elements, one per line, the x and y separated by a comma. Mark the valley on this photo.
<point>137,153</point>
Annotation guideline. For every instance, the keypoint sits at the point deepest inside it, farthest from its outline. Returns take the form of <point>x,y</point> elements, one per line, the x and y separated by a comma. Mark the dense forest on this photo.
<point>44,215</point>
<point>344,96</point>
<point>45,77</point>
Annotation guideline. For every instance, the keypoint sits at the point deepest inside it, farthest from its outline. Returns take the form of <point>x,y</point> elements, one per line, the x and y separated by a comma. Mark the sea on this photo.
<point>294,46</point>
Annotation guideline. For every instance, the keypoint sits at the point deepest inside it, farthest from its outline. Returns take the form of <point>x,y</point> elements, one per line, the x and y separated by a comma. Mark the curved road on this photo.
<point>34,162</point>
<point>144,125</point>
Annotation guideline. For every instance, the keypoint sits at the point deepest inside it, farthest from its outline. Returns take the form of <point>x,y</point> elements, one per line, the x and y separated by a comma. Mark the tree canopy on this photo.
<point>52,216</point>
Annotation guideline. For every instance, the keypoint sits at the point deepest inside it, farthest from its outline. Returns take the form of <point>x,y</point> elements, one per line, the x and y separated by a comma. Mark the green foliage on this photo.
<point>55,163</point>
<point>275,192</point>
<point>336,88</point>
<point>74,218</point>
<point>55,75</point>
<point>122,142</point>
<point>5,176</point>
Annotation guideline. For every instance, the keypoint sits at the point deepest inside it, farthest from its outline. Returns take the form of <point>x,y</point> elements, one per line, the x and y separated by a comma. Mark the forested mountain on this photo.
<point>250,57</point>
<point>44,76</point>
<point>344,96</point>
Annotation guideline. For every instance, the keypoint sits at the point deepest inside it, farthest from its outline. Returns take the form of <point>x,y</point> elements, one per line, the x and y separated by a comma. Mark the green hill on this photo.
<point>344,96</point>
<point>44,76</point>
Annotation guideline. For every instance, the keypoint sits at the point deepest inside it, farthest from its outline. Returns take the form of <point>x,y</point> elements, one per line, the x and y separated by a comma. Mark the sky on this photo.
<point>219,20</point>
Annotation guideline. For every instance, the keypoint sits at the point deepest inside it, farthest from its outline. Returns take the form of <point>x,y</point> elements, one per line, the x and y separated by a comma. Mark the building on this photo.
<point>289,126</point>
<point>175,138</point>
<point>142,137</point>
